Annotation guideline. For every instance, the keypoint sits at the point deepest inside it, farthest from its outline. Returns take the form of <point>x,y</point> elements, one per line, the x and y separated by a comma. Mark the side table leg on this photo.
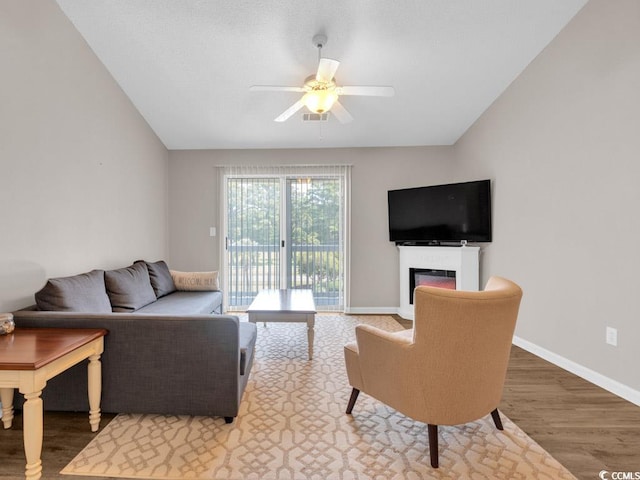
<point>6,398</point>
<point>310,333</point>
<point>32,418</point>
<point>94,371</point>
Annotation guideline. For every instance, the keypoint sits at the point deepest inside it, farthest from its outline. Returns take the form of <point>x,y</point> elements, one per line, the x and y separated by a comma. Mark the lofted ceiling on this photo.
<point>187,65</point>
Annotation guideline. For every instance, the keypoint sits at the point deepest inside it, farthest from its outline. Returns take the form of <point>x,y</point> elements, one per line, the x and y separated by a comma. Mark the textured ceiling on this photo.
<point>187,65</point>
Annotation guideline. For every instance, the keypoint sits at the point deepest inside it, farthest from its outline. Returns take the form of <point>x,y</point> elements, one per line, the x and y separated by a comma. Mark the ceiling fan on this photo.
<point>321,91</point>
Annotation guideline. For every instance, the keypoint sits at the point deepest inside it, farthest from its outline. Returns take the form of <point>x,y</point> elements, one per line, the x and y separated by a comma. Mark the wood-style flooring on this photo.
<point>583,426</point>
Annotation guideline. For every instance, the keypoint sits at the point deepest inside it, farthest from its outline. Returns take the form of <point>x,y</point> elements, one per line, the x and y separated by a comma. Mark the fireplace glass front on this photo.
<point>431,278</point>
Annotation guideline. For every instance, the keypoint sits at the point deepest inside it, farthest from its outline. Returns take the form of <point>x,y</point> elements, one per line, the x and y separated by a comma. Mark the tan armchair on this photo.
<point>450,368</point>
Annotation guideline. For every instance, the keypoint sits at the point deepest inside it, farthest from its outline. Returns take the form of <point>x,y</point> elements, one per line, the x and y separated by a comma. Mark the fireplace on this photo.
<point>449,267</point>
<point>432,278</point>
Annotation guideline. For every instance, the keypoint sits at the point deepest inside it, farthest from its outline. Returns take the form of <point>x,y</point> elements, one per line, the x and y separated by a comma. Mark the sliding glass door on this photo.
<point>314,256</point>
<point>285,230</point>
<point>252,238</point>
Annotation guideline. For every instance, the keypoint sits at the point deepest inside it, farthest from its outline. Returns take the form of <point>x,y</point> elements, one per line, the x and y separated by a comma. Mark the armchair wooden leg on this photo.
<point>496,419</point>
<point>433,444</point>
<point>352,400</point>
<point>228,419</point>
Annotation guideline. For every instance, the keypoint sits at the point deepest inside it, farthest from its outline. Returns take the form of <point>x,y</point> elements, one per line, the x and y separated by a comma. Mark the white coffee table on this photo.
<point>285,306</point>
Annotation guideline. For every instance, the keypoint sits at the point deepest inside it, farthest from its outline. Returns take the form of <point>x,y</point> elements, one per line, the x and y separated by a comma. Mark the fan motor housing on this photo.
<point>312,84</point>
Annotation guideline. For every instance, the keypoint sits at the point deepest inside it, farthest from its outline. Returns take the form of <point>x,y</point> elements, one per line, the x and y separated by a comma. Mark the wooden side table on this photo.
<point>29,357</point>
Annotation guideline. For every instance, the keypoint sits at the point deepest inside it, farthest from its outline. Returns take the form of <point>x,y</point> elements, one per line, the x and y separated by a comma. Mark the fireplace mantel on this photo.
<point>463,260</point>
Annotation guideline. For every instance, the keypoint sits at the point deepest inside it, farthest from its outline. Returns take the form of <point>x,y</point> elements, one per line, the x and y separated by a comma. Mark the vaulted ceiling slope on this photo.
<point>187,65</point>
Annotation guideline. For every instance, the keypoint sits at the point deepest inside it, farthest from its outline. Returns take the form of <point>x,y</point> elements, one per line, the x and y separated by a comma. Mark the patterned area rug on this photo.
<point>292,426</point>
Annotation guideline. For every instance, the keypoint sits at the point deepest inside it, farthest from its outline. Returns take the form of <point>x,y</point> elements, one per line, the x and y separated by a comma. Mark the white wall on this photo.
<point>563,147</point>
<point>83,179</point>
<point>194,207</point>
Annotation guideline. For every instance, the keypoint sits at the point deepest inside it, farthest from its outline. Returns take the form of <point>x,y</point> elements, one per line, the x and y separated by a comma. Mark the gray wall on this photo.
<point>83,179</point>
<point>563,147</point>
<point>194,207</point>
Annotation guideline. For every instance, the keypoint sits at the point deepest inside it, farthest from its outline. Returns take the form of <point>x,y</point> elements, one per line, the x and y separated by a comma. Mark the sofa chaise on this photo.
<point>169,349</point>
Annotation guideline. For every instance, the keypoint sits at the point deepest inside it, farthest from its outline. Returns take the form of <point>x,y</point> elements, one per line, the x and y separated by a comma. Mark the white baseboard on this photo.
<point>596,378</point>
<point>372,310</point>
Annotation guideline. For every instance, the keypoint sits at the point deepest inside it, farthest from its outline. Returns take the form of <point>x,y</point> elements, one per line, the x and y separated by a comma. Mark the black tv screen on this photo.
<point>437,214</point>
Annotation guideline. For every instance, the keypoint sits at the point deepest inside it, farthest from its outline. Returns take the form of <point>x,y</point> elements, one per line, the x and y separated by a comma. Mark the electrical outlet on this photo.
<point>612,336</point>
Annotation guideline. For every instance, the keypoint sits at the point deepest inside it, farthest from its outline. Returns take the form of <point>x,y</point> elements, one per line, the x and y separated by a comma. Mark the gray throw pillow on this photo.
<point>79,293</point>
<point>129,288</point>
<point>160,277</point>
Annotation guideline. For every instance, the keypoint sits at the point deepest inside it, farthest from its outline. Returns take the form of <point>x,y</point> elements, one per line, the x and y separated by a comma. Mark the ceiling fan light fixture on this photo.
<point>320,101</point>
<point>322,91</point>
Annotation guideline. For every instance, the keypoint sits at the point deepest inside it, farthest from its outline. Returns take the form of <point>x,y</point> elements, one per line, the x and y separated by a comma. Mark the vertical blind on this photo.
<point>286,227</point>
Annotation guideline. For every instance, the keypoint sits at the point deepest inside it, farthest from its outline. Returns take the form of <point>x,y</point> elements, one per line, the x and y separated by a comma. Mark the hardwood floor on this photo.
<point>583,426</point>
<point>65,435</point>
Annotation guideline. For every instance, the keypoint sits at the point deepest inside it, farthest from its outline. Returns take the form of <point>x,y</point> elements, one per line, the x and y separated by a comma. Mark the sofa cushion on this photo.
<point>79,293</point>
<point>160,278</point>
<point>129,288</point>
<point>195,281</point>
<point>185,303</point>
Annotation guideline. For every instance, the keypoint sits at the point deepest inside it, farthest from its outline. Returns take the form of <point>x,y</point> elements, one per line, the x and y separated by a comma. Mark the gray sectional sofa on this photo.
<point>168,351</point>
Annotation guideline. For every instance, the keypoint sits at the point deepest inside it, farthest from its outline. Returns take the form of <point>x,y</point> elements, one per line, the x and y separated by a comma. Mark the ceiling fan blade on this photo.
<point>275,88</point>
<point>371,91</point>
<point>341,113</point>
<point>326,69</point>
<point>290,111</point>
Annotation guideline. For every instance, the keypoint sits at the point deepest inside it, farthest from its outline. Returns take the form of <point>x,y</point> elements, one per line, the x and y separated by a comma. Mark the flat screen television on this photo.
<point>439,214</point>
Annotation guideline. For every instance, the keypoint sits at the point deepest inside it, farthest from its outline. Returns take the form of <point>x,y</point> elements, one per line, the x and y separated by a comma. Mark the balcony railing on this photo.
<point>252,268</point>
